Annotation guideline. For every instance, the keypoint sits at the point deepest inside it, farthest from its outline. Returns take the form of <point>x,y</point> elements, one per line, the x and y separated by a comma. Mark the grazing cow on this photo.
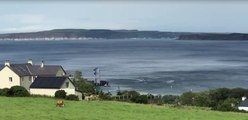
<point>60,103</point>
<point>91,97</point>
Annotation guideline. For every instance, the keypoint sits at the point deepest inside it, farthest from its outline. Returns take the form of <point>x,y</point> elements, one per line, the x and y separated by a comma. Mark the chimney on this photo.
<point>42,64</point>
<point>7,63</point>
<point>243,98</point>
<point>30,61</point>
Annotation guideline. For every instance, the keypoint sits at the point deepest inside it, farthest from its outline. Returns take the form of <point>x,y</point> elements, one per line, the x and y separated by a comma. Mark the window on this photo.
<point>67,84</point>
<point>10,79</point>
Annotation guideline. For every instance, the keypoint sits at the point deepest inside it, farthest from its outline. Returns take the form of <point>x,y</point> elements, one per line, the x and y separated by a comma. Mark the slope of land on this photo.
<point>44,109</point>
<point>78,34</point>
<point>214,36</point>
<point>92,33</point>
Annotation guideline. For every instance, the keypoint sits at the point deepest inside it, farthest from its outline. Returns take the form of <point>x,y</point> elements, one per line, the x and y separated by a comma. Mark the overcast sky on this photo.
<point>189,16</point>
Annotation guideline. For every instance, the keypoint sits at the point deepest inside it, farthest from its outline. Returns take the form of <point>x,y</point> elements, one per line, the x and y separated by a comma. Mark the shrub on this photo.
<point>85,86</point>
<point>72,97</point>
<point>105,96</point>
<point>187,98</point>
<point>238,93</point>
<point>228,105</point>
<point>82,84</point>
<point>60,94</point>
<point>142,99</point>
<point>3,92</point>
<point>134,95</point>
<point>218,95</point>
<point>18,91</point>
<point>202,99</point>
<point>83,96</point>
<point>170,99</point>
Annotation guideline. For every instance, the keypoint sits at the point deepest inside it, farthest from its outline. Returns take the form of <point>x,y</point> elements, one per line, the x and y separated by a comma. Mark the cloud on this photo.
<point>24,23</point>
<point>24,18</point>
<point>32,28</point>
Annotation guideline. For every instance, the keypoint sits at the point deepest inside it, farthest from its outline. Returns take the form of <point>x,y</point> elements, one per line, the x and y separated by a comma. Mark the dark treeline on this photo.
<point>221,99</point>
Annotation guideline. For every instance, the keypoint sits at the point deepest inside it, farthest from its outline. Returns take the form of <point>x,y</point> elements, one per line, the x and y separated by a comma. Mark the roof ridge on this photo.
<point>29,70</point>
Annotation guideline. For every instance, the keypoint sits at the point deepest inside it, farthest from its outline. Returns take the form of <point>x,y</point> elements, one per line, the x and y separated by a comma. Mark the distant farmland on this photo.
<point>44,109</point>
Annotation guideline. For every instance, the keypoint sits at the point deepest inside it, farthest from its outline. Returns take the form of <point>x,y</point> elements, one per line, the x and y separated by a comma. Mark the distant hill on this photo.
<point>65,34</point>
<point>214,36</point>
<point>94,33</point>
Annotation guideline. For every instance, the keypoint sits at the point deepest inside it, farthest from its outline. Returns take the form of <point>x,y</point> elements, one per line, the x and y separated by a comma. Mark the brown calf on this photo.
<point>60,103</point>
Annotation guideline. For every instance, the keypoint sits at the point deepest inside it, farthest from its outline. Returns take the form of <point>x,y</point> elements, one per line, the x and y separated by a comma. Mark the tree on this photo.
<point>141,99</point>
<point>85,87</point>
<point>218,95</point>
<point>238,93</point>
<point>187,98</point>
<point>170,99</point>
<point>78,75</point>
<point>228,105</point>
<point>202,99</point>
<point>105,96</point>
<point>82,84</point>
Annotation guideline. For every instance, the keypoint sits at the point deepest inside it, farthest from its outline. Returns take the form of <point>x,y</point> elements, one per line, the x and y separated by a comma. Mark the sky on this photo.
<point>177,15</point>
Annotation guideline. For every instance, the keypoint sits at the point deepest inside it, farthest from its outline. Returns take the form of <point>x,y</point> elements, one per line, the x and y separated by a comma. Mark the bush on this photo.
<point>218,95</point>
<point>238,93</point>
<point>187,98</point>
<point>134,95</point>
<point>85,86</point>
<point>17,91</point>
<point>228,105</point>
<point>142,99</point>
<point>60,94</point>
<point>105,96</point>
<point>202,99</point>
<point>72,97</point>
<point>170,99</point>
<point>3,92</point>
<point>82,84</point>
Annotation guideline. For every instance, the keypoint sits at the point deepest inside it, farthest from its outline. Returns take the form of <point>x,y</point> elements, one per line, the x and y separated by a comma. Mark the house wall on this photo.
<point>243,108</point>
<point>61,72</point>
<point>5,73</point>
<point>49,92</point>
<point>26,81</point>
<point>71,86</point>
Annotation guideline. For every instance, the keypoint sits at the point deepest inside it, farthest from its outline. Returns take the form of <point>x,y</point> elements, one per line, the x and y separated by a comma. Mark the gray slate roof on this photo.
<point>48,82</point>
<point>35,70</point>
<point>244,103</point>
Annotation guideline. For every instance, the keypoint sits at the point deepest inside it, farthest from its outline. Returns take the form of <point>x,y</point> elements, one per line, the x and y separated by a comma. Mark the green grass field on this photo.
<point>44,109</point>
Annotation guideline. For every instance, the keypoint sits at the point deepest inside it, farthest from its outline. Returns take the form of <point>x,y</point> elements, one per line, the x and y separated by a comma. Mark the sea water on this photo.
<point>157,66</point>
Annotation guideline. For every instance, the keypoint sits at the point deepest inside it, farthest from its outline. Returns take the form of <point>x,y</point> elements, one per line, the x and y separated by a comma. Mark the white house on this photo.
<point>26,75</point>
<point>244,104</point>
<point>49,85</point>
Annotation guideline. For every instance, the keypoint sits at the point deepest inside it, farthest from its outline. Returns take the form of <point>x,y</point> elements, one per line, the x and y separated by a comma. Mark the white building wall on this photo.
<point>26,81</point>
<point>5,74</point>
<point>243,108</point>
<point>50,92</point>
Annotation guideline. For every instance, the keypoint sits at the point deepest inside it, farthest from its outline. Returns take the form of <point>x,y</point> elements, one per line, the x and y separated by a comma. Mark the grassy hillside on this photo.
<point>44,109</point>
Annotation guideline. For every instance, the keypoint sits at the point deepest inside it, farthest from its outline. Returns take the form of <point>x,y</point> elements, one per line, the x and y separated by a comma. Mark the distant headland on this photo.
<point>80,34</point>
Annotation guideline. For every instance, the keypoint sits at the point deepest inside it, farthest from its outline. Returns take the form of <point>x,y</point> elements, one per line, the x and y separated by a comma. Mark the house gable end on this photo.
<point>9,78</point>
